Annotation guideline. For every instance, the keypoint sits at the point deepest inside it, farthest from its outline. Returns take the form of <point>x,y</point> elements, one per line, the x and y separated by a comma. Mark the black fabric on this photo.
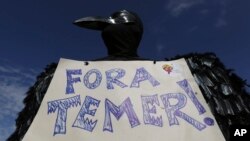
<point>122,40</point>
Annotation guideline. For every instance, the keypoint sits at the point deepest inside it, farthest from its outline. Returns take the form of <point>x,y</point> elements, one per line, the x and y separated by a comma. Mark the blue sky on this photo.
<point>34,33</point>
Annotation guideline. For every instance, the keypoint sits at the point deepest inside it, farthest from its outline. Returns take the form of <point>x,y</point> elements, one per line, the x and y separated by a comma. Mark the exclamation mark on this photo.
<point>189,91</point>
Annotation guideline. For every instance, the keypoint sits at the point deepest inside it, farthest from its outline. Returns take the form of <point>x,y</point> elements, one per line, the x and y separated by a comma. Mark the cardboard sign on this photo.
<point>125,101</point>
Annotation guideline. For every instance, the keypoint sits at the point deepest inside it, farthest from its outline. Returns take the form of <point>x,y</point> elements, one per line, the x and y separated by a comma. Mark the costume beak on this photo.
<point>95,23</point>
<point>99,23</point>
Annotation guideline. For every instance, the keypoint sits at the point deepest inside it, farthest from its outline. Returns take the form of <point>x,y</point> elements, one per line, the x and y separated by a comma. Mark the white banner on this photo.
<point>123,101</point>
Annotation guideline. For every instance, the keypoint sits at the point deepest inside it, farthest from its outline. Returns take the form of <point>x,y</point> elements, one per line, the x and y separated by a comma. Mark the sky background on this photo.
<point>34,33</point>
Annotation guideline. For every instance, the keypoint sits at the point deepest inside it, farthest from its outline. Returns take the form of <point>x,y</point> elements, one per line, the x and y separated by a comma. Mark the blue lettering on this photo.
<point>62,105</point>
<point>118,111</point>
<point>112,77</point>
<point>142,75</point>
<point>187,88</point>
<point>81,122</point>
<point>70,80</point>
<point>97,81</point>
<point>173,110</point>
<point>148,119</point>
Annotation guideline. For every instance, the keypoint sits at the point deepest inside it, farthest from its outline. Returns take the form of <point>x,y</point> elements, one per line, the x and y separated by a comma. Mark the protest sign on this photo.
<point>125,101</point>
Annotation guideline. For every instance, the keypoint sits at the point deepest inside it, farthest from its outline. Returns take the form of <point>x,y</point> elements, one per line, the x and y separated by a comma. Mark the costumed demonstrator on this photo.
<point>223,90</point>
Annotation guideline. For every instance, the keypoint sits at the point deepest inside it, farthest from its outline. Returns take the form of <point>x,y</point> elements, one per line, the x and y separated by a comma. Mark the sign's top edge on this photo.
<point>154,61</point>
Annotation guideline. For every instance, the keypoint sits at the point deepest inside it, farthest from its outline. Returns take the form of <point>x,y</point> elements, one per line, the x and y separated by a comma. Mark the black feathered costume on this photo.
<point>223,90</point>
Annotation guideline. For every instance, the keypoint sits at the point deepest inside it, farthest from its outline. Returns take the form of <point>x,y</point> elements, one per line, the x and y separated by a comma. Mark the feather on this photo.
<point>32,103</point>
